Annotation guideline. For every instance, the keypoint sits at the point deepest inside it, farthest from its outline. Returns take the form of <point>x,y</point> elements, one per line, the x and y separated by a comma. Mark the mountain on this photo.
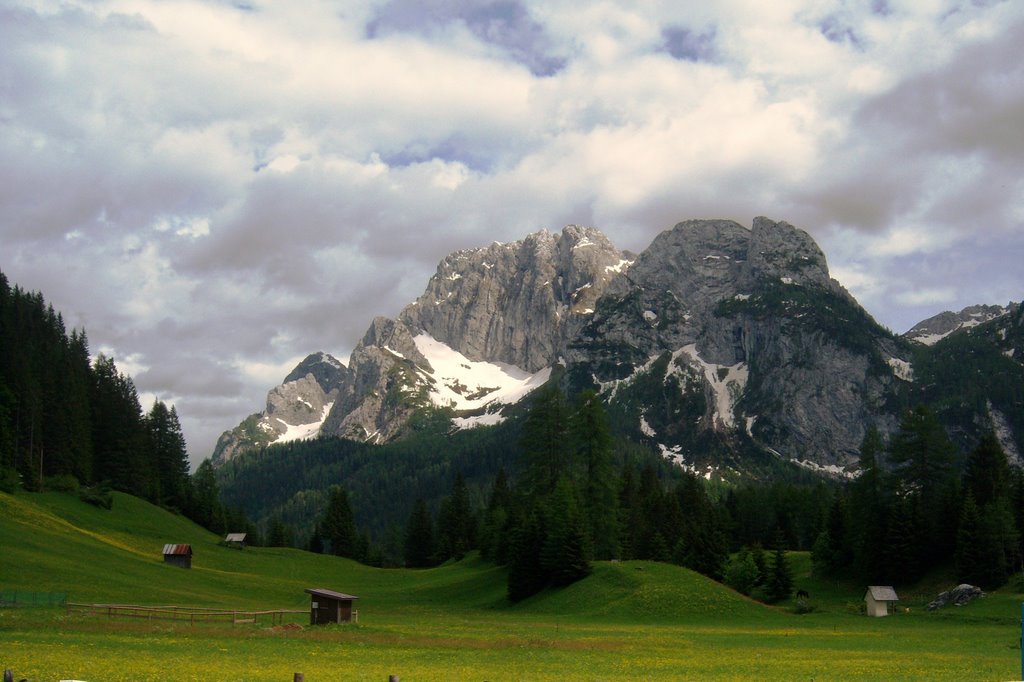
<point>295,410</point>
<point>940,326</point>
<point>973,377</point>
<point>718,346</point>
<point>486,332</point>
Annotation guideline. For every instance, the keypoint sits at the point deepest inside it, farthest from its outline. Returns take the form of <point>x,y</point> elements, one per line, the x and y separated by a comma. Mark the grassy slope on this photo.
<point>629,620</point>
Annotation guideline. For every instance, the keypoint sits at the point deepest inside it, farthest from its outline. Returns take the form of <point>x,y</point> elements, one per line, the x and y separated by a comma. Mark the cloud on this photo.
<point>504,24</point>
<point>684,43</point>
<point>215,189</point>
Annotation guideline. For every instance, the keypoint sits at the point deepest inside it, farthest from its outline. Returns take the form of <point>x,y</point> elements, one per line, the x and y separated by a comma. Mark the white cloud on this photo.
<point>208,187</point>
<point>938,296</point>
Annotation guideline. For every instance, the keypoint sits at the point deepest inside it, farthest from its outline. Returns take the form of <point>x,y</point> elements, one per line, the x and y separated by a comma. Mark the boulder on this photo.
<point>958,596</point>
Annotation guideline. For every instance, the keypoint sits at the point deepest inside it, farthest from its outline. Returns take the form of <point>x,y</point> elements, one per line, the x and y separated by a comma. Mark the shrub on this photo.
<point>65,483</point>
<point>98,496</point>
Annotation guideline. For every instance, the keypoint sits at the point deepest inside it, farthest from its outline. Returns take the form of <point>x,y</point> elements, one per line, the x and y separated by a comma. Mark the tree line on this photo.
<point>918,503</point>
<point>69,422</point>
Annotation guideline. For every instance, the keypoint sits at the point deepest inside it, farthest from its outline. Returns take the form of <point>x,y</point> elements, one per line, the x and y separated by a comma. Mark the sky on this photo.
<point>213,190</point>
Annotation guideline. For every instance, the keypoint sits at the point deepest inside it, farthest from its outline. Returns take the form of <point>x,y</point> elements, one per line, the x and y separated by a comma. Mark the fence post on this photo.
<point>393,678</point>
<point>299,677</point>
<point>8,675</point>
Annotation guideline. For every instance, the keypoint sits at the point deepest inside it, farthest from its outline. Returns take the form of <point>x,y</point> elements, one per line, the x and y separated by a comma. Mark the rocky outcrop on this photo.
<point>385,385</point>
<point>517,303</point>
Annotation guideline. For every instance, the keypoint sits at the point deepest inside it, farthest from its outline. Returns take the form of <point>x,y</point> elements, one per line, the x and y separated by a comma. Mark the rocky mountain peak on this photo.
<point>519,302</point>
<point>779,251</point>
<point>327,370</point>
<point>938,327</point>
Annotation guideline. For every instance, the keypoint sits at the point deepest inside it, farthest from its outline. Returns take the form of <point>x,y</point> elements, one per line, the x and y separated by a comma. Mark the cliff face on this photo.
<point>777,350</point>
<point>517,303</point>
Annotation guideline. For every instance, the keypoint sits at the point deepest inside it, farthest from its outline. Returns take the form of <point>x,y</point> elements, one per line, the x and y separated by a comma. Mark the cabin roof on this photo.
<point>177,550</point>
<point>235,537</point>
<point>329,594</point>
<point>883,593</point>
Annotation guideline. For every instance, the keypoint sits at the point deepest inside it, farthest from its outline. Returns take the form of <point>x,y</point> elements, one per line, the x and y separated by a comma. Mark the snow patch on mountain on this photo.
<point>464,384</point>
<point>301,431</point>
<point>727,383</point>
<point>829,469</point>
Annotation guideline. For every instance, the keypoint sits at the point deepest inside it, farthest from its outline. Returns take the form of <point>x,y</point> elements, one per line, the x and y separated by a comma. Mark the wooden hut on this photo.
<point>328,606</point>
<point>179,555</point>
<point>878,599</point>
<point>236,540</point>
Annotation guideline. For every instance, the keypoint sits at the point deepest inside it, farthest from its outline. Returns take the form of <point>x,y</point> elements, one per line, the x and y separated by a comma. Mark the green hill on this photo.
<point>628,620</point>
<point>54,542</point>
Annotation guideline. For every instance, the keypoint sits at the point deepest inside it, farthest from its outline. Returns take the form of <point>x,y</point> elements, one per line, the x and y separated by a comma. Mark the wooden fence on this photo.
<point>190,614</point>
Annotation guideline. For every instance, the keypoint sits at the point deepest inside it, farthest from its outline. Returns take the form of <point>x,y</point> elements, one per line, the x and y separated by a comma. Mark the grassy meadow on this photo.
<point>627,621</point>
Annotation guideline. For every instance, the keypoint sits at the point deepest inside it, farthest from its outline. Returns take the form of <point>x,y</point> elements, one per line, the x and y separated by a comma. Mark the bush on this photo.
<point>10,481</point>
<point>803,606</point>
<point>65,483</point>
<point>98,496</point>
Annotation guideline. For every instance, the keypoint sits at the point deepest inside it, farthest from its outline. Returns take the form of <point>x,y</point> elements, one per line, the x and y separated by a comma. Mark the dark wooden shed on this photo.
<point>328,606</point>
<point>179,555</point>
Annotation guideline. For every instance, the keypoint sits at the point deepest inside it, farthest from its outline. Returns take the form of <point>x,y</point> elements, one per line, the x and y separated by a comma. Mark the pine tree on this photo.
<point>592,435</point>
<point>923,461</point>
<point>206,508</point>
<point>526,576</point>
<point>869,511</point>
<point>419,537</point>
<point>547,454</point>
<point>493,540</point>
<point>119,436</point>
<point>455,523</point>
<point>779,585</point>
<point>167,447</point>
<point>338,525</point>
<point>987,472</point>
<point>565,553</point>
<point>741,574</point>
<point>969,555</point>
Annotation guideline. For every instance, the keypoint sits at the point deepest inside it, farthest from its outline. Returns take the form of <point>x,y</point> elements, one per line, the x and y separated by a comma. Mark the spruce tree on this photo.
<point>969,557</point>
<point>779,585</point>
<point>525,574</point>
<point>455,523</point>
<point>547,453</point>
<point>338,525</point>
<point>419,537</point>
<point>923,460</point>
<point>565,553</point>
<point>592,435</point>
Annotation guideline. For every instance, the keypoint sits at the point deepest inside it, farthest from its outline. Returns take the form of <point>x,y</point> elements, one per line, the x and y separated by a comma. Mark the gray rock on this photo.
<point>517,303</point>
<point>958,596</point>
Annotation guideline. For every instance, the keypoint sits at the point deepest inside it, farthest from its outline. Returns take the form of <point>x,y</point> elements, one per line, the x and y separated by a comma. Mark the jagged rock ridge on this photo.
<point>938,327</point>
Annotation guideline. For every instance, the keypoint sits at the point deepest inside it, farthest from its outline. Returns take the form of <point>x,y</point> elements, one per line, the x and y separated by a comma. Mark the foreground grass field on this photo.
<point>628,621</point>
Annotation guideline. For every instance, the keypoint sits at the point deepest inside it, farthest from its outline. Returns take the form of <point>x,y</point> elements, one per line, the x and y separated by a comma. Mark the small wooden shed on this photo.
<point>328,606</point>
<point>179,555</point>
<point>236,540</point>
<point>879,600</point>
